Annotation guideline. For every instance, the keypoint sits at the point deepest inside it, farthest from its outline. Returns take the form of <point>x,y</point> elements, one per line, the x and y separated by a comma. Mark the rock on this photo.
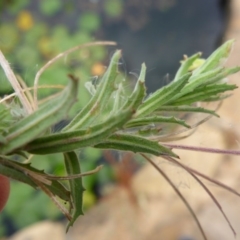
<point>45,230</point>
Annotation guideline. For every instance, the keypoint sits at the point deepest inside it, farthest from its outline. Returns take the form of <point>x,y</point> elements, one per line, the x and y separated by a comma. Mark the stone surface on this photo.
<point>45,230</point>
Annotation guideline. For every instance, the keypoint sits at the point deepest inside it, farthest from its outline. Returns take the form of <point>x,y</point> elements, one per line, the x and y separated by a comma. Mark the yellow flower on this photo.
<point>25,20</point>
<point>98,69</point>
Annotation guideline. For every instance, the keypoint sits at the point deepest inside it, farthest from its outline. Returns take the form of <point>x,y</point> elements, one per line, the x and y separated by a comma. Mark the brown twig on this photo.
<point>178,193</point>
<point>15,84</point>
<point>53,60</point>
<point>205,188</point>
<point>203,149</point>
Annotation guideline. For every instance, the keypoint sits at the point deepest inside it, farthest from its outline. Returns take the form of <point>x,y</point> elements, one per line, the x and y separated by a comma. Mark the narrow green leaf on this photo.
<point>69,141</point>
<point>208,78</point>
<point>127,142</point>
<point>59,190</point>
<point>100,98</point>
<point>35,124</point>
<point>185,65</point>
<point>155,119</point>
<point>138,93</point>
<point>118,99</point>
<point>204,93</point>
<point>186,109</point>
<point>161,96</point>
<point>223,75</point>
<point>196,81</point>
<point>7,168</point>
<point>16,175</point>
<point>216,58</point>
<point>148,131</point>
<point>217,98</point>
<point>73,167</point>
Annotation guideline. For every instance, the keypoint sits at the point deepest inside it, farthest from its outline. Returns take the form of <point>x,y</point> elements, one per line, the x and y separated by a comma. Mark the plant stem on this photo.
<point>203,149</point>
<point>15,84</point>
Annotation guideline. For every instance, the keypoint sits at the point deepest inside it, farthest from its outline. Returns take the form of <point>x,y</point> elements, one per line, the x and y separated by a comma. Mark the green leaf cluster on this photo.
<point>112,119</point>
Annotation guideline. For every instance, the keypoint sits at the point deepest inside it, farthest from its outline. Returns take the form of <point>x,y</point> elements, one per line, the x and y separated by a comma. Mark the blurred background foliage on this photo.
<point>158,32</point>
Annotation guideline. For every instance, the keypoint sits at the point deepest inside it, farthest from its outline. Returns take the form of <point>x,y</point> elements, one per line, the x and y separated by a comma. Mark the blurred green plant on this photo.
<point>113,8</point>
<point>50,8</point>
<point>30,36</point>
<point>111,119</point>
<point>27,40</point>
<point>14,7</point>
<point>89,21</point>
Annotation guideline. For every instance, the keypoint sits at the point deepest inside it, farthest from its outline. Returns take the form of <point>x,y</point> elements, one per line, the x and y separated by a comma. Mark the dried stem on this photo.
<point>212,180</point>
<point>15,84</point>
<point>178,193</point>
<point>97,169</point>
<point>54,199</point>
<point>26,90</point>
<point>30,88</point>
<point>171,136</point>
<point>203,149</point>
<point>53,60</point>
<point>205,188</point>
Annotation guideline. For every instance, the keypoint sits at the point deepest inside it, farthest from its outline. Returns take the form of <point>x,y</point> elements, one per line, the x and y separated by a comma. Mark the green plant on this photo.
<point>111,119</point>
<point>34,39</point>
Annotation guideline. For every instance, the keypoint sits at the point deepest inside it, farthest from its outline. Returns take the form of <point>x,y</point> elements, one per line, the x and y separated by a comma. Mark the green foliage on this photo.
<point>17,6</point>
<point>27,50</point>
<point>50,7</point>
<point>35,206</point>
<point>89,21</point>
<point>9,37</point>
<point>28,54</point>
<point>76,187</point>
<point>113,8</point>
<point>111,119</point>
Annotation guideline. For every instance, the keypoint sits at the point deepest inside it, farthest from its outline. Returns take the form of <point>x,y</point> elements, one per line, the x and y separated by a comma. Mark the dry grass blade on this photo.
<point>54,199</point>
<point>53,60</point>
<point>213,181</point>
<point>74,176</point>
<point>30,88</point>
<point>203,149</point>
<point>15,84</point>
<point>178,193</point>
<point>206,189</point>
<point>171,136</point>
<point>25,89</point>
<point>37,176</point>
